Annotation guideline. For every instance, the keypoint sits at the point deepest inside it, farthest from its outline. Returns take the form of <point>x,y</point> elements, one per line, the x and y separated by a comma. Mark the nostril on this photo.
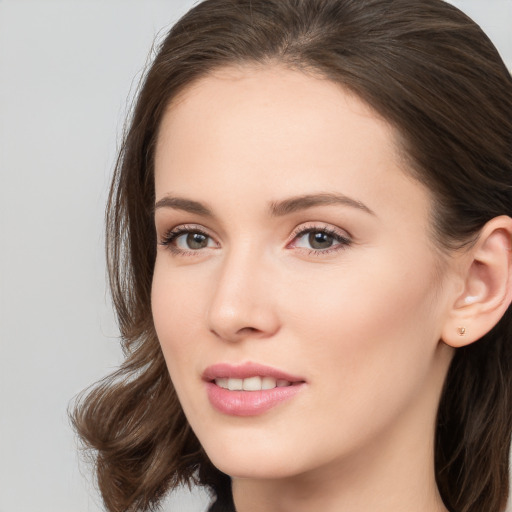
<point>238,335</point>
<point>248,330</point>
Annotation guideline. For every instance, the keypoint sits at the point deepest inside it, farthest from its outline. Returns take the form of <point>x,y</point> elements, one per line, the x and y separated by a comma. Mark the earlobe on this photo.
<point>487,291</point>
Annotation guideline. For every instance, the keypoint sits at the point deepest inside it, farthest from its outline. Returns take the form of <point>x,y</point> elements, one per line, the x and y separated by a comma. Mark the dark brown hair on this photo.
<point>432,74</point>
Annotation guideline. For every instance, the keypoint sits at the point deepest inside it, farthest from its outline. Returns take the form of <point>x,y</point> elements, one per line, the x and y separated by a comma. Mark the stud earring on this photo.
<point>461,331</point>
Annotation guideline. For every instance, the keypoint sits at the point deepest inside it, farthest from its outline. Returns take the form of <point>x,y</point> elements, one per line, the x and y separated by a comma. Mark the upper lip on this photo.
<point>246,370</point>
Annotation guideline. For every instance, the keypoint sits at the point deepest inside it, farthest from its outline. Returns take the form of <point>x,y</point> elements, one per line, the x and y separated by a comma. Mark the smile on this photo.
<point>250,389</point>
<point>251,383</point>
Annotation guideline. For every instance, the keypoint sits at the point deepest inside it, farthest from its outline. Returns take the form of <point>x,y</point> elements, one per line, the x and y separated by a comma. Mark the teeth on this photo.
<point>235,384</point>
<point>251,383</point>
<point>222,383</point>
<point>268,383</point>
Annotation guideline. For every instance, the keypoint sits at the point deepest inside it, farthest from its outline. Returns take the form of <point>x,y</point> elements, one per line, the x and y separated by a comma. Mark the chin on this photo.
<point>259,468</point>
<point>252,458</point>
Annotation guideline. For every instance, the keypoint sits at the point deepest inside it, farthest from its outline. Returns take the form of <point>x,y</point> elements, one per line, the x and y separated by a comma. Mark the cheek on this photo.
<point>177,305</point>
<point>371,330</point>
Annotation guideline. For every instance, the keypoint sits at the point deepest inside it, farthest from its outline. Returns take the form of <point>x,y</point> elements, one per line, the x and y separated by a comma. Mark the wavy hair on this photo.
<point>433,74</point>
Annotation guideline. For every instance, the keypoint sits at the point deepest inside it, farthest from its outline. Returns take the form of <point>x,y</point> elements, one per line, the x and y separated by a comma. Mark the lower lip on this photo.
<point>249,403</point>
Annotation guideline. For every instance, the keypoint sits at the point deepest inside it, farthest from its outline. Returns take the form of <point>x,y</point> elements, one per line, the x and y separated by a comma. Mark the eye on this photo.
<point>317,240</point>
<point>320,240</point>
<point>187,240</point>
<point>192,241</point>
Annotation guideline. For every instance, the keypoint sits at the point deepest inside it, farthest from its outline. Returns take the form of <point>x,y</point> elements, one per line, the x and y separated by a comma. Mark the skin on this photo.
<point>360,322</point>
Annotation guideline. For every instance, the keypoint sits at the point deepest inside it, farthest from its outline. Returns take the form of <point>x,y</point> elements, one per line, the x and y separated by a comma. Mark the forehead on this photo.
<point>269,132</point>
<point>251,98</point>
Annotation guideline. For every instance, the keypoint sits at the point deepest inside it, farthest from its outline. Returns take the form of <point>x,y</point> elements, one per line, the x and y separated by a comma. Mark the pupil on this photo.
<point>196,240</point>
<point>319,240</point>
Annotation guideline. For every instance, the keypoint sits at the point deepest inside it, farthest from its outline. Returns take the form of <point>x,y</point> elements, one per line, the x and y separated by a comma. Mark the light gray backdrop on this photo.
<point>67,71</point>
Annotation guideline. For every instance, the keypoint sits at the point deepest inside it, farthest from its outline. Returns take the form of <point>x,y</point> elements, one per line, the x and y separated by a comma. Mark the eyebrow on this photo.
<point>276,208</point>
<point>187,205</point>
<point>287,206</point>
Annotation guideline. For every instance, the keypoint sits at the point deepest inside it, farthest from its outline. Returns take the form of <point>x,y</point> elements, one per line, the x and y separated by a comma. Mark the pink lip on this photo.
<point>248,403</point>
<point>243,371</point>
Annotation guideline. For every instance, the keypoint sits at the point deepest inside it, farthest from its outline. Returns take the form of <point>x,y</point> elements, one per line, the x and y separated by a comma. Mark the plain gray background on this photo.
<point>68,70</point>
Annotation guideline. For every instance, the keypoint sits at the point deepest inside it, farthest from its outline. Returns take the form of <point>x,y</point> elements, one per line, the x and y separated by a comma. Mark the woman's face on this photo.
<point>294,251</point>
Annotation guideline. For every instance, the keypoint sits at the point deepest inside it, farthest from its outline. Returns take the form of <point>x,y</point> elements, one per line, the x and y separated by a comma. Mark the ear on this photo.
<point>487,285</point>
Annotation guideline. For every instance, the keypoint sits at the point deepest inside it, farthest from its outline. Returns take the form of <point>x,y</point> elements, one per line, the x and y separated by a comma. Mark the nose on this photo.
<point>242,304</point>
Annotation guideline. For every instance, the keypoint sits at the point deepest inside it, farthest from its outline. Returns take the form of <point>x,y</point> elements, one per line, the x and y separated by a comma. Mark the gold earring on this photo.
<point>461,331</point>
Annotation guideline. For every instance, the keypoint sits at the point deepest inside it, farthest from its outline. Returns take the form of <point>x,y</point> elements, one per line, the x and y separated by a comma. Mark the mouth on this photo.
<point>249,389</point>
<point>256,383</point>
<point>249,377</point>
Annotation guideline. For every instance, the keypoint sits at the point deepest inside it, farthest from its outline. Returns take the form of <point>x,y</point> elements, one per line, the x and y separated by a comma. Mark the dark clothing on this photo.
<point>222,506</point>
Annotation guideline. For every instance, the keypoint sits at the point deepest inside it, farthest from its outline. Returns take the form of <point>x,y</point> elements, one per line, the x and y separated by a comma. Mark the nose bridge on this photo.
<point>240,304</point>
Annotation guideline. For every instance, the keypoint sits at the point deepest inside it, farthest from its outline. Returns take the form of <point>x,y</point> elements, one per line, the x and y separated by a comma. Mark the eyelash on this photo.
<point>342,241</point>
<point>170,237</point>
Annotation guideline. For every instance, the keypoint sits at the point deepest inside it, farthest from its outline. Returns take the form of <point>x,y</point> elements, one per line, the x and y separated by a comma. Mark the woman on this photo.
<point>309,251</point>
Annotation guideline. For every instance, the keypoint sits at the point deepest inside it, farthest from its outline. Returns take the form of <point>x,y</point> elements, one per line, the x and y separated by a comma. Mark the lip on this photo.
<point>248,403</point>
<point>246,370</point>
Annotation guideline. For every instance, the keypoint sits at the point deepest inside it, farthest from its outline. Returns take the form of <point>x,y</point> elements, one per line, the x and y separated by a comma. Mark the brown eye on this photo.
<point>184,240</point>
<point>192,241</point>
<point>320,240</point>
<point>195,241</point>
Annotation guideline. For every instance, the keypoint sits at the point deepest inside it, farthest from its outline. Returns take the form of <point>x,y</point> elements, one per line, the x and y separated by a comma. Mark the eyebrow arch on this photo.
<point>187,205</point>
<point>276,208</point>
<point>287,206</point>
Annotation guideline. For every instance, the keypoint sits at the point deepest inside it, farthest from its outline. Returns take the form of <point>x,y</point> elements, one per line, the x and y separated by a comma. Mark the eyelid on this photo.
<point>170,235</point>
<point>320,226</point>
<point>343,238</point>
